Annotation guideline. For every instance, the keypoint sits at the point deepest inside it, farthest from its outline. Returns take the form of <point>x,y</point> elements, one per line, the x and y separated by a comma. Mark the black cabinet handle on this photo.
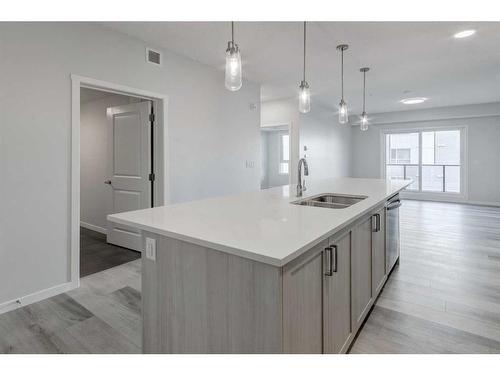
<point>377,223</point>
<point>329,255</point>
<point>334,259</point>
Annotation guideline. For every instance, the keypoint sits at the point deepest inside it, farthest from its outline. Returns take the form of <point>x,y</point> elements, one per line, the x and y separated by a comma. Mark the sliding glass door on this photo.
<point>403,158</point>
<point>431,158</point>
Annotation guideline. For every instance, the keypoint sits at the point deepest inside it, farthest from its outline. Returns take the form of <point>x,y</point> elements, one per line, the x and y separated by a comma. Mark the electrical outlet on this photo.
<point>151,249</point>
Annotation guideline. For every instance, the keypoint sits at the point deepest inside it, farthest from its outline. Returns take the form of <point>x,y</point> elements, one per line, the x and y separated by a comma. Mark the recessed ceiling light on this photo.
<point>413,100</point>
<point>464,34</point>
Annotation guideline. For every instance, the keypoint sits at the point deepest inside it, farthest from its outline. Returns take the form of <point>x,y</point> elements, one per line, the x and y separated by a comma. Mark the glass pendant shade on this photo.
<point>304,97</point>
<point>364,122</point>
<point>233,67</point>
<point>343,115</point>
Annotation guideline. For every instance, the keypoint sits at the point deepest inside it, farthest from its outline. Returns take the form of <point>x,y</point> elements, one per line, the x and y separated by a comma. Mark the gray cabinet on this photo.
<point>337,330</point>
<point>303,302</point>
<point>361,272</point>
<point>378,251</point>
<point>329,290</point>
<point>317,299</point>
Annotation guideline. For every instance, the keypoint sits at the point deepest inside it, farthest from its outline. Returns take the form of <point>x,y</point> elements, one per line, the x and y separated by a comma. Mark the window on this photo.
<point>432,159</point>
<point>284,154</point>
<point>403,156</point>
<point>400,155</point>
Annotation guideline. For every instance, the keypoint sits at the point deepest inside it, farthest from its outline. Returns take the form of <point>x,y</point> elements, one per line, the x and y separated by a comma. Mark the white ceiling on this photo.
<point>420,57</point>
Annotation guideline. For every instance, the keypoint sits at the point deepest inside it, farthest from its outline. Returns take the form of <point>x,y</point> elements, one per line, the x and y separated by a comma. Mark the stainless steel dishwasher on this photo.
<point>392,243</point>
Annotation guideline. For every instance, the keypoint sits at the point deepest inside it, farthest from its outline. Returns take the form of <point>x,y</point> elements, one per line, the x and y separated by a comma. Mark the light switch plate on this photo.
<point>151,249</point>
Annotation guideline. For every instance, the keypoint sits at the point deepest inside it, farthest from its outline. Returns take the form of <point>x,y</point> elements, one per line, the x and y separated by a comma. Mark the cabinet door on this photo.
<point>361,272</point>
<point>378,252</point>
<point>337,295</point>
<point>303,303</point>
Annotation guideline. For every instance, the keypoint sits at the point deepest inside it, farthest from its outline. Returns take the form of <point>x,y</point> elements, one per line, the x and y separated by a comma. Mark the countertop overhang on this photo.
<point>263,225</point>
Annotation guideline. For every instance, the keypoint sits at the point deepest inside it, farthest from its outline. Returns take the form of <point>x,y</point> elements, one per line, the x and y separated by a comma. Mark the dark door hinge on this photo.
<point>151,177</point>
<point>152,117</point>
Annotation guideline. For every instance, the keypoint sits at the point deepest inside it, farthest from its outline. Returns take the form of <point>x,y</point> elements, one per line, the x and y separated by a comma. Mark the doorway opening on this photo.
<point>116,175</point>
<point>118,165</point>
<point>275,156</point>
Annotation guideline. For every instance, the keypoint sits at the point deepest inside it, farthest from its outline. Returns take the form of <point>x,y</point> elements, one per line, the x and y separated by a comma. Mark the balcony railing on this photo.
<point>419,167</point>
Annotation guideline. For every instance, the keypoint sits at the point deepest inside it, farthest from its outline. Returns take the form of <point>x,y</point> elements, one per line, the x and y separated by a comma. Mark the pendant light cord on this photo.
<point>342,71</point>
<point>304,71</point>
<point>364,90</point>
<point>232,31</point>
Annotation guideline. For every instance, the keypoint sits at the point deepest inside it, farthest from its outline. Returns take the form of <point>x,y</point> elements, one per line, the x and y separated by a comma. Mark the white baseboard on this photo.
<point>483,203</point>
<point>93,227</point>
<point>441,197</point>
<point>449,200</point>
<point>37,296</point>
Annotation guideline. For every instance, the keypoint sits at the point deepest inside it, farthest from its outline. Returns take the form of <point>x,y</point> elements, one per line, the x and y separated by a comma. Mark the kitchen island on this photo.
<point>264,272</point>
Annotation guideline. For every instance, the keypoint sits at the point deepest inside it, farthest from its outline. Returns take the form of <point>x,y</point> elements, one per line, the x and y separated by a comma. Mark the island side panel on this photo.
<point>200,300</point>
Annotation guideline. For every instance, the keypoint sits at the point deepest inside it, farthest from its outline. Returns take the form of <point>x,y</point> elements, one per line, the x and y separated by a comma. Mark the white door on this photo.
<point>128,168</point>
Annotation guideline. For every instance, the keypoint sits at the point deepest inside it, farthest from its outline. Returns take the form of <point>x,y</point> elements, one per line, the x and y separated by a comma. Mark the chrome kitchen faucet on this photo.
<point>301,185</point>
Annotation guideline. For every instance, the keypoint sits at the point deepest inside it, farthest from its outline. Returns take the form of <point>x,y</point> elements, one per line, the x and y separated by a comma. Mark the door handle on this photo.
<point>107,182</point>
<point>329,255</point>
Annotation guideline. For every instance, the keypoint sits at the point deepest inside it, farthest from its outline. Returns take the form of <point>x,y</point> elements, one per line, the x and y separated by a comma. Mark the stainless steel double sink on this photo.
<point>336,201</point>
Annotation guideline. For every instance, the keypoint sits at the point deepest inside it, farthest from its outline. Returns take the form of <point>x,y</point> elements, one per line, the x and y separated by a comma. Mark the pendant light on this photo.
<point>304,92</point>
<point>343,111</point>
<point>233,64</point>
<point>364,117</point>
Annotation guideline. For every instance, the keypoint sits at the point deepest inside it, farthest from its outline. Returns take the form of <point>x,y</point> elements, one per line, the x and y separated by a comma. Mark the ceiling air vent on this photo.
<point>153,57</point>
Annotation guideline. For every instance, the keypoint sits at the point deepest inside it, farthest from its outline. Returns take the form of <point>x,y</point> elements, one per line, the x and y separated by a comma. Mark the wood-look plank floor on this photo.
<point>102,316</point>
<point>444,297</point>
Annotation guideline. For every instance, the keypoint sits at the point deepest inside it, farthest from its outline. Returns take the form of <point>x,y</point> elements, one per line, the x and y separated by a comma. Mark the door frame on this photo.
<point>161,160</point>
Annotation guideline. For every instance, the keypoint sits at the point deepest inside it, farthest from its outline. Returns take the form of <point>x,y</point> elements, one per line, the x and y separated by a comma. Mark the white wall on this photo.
<point>483,123</point>
<point>279,112</point>
<point>328,144</point>
<point>35,67</point>
<point>365,152</point>
<point>93,158</point>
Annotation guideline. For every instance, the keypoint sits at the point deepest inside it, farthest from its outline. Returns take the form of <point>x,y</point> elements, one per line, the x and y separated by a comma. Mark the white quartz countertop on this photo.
<point>263,225</point>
